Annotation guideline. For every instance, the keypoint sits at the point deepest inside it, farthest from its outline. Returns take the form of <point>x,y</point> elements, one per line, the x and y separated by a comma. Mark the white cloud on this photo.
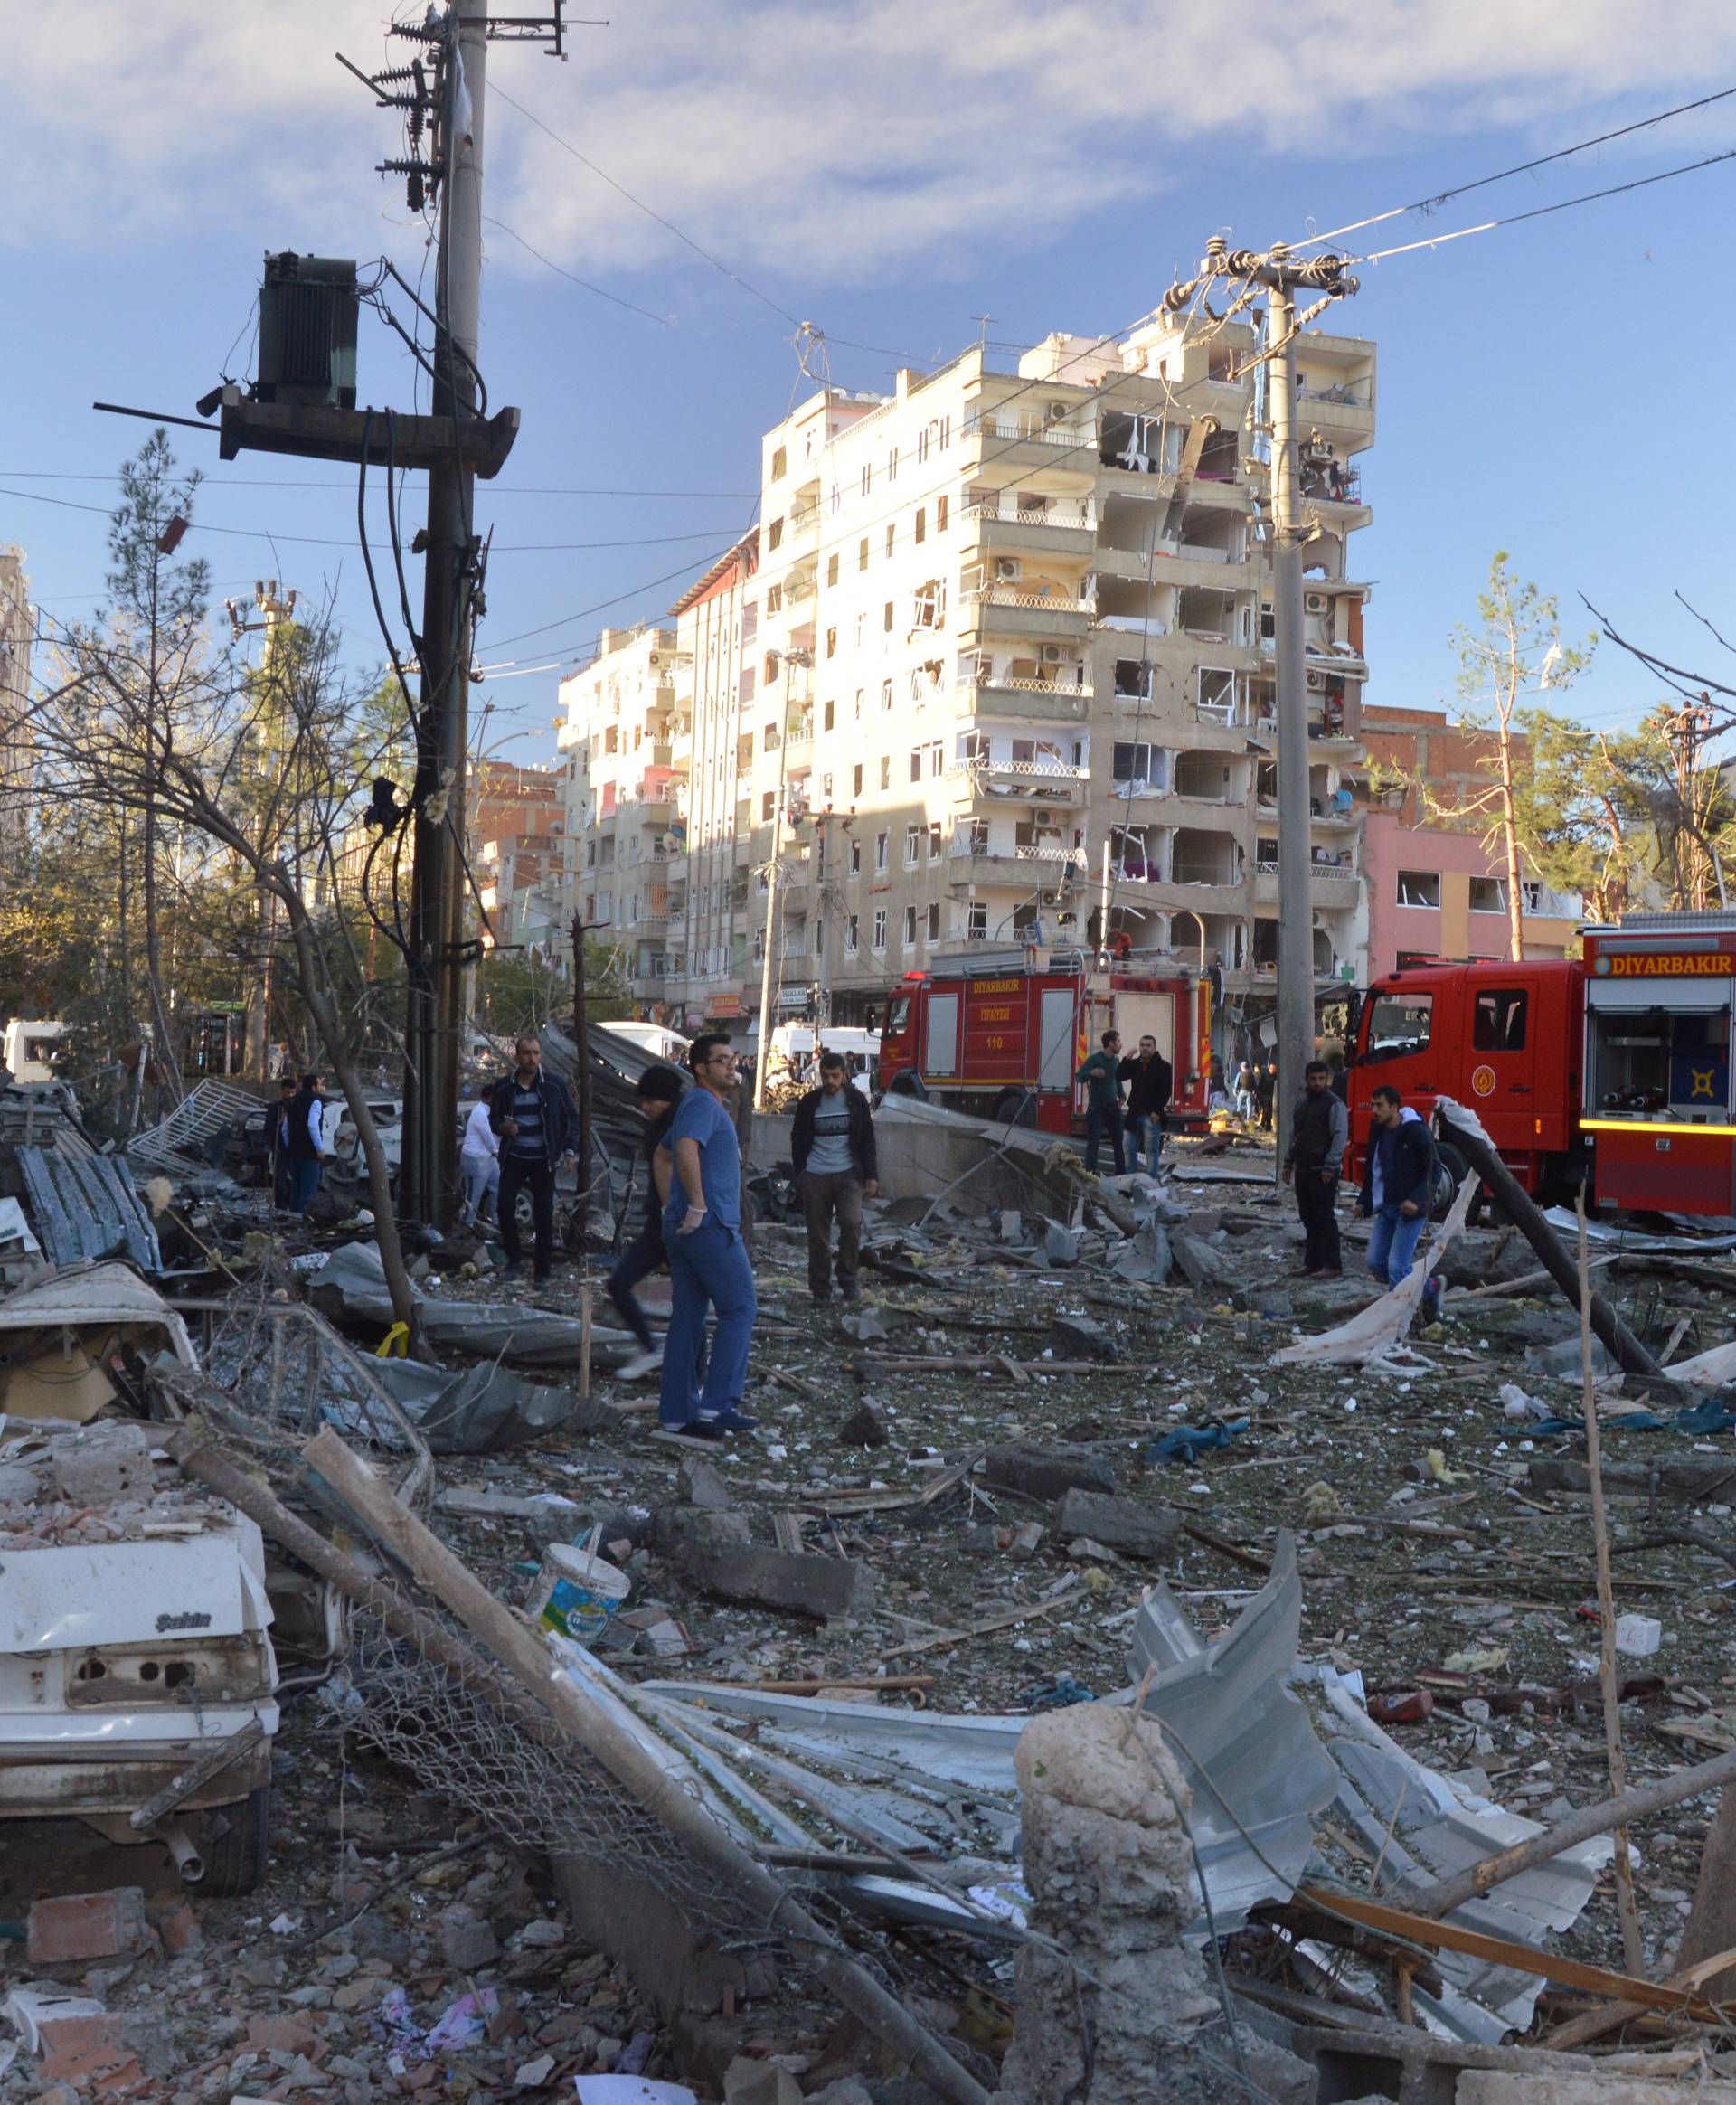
<point>799,139</point>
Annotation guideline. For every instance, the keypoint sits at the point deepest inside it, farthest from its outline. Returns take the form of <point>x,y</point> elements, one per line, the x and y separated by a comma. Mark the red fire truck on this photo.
<point>1001,1035</point>
<point>1612,1069</point>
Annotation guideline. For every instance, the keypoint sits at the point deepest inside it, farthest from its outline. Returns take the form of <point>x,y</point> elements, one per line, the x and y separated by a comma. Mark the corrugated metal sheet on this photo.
<point>85,1205</point>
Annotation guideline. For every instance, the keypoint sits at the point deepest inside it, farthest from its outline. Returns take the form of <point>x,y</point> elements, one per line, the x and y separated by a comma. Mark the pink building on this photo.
<point>1434,894</point>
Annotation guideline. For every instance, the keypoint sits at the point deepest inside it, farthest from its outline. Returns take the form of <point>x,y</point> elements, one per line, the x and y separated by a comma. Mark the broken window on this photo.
<point>930,607</point>
<point>1488,895</point>
<point>1419,888</point>
<point>1398,1025</point>
<point>774,535</point>
<point>1498,1024</point>
<point>977,922</point>
<point>934,924</point>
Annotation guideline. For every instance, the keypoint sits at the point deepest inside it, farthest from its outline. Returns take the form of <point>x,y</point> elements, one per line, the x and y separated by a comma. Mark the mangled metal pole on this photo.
<point>1468,1135</point>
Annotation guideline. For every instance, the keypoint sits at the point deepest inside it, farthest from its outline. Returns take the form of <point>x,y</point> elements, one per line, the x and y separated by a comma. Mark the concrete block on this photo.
<point>679,1532</point>
<point>700,1483</point>
<point>1201,1265</point>
<point>1117,1523</point>
<point>1045,1472</point>
<point>783,1578</point>
<point>747,2081</point>
<point>82,1926</point>
<point>1078,1337</point>
<point>103,1462</point>
<point>467,1940</point>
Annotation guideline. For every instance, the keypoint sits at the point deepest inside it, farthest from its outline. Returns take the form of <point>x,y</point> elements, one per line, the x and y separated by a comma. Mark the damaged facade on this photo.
<point>992,625</point>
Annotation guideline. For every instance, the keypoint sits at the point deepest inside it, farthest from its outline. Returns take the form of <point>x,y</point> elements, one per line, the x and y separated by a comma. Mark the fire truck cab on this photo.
<point>1611,1071</point>
<point>1001,1035</point>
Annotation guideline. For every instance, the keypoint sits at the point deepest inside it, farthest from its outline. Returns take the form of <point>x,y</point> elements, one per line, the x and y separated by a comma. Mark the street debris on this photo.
<point>1096,1607</point>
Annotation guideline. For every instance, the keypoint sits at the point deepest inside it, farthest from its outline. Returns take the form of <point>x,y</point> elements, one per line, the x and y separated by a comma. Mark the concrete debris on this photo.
<point>1108,1868</point>
<point>1046,1472</point>
<point>1113,1523</point>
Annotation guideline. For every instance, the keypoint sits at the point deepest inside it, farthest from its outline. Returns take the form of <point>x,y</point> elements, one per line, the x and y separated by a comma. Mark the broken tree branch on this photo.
<point>1581,1826</point>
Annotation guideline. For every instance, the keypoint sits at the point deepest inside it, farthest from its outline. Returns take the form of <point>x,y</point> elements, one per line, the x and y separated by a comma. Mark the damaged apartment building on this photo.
<point>999,658</point>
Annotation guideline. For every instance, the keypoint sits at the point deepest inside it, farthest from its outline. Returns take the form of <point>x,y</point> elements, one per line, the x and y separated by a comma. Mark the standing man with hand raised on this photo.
<point>1151,1082</point>
<point>708,1260</point>
<point>533,1115</point>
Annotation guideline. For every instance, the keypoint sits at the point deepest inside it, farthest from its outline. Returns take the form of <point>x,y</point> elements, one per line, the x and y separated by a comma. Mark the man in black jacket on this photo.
<point>832,1146</point>
<point>1396,1185</point>
<point>1150,1082</point>
<point>1320,1134</point>
<point>306,1142</point>
<point>534,1114</point>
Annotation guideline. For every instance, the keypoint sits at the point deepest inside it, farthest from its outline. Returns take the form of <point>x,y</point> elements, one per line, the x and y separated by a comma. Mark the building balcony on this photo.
<point>1018,781</point>
<point>1344,413</point>
<point>1030,701</point>
<point>1332,888</point>
<point>1062,528</point>
<point>1028,866</point>
<point>1004,612</point>
<point>1015,443</point>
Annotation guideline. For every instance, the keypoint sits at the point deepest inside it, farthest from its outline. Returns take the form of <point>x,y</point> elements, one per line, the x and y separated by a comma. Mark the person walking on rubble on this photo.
<point>657,1091</point>
<point>708,1259</point>
<point>1102,1076</point>
<point>478,1165</point>
<point>1245,1093</point>
<point>1396,1185</point>
<point>1151,1082</point>
<point>832,1147</point>
<point>1319,1135</point>
<point>277,1144</point>
<point>306,1143</point>
<point>1266,1094</point>
<point>533,1115</point>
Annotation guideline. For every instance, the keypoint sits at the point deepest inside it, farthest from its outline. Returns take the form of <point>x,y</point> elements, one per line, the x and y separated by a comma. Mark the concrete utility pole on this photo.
<point>1295,834</point>
<point>436,915</point>
<point>582,1081</point>
<point>792,658</point>
<point>1282,274</point>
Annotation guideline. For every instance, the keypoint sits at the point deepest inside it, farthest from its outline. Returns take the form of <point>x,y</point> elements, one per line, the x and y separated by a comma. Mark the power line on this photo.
<point>314,541</point>
<point>1442,197</point>
<point>650,211</point>
<point>704,254</point>
<point>663,321</point>
<point>1543,210</point>
<point>244,482</point>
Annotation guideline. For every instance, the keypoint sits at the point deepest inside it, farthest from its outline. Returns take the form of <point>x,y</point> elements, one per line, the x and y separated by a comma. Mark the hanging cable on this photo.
<point>1442,197</point>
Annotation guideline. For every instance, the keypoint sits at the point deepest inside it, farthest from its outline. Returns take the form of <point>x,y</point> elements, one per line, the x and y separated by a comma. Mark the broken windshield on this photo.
<point>1399,1024</point>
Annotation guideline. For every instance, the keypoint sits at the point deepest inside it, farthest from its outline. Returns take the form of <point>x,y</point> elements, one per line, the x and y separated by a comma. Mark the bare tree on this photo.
<point>103,739</point>
<point>1516,650</point>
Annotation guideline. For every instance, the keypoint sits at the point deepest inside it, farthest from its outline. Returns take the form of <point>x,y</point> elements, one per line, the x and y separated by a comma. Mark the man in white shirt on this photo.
<point>478,1166</point>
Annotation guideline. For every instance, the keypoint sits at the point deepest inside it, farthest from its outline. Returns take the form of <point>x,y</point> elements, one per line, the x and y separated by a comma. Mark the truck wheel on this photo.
<point>235,1841</point>
<point>1014,1107</point>
<point>1451,1170</point>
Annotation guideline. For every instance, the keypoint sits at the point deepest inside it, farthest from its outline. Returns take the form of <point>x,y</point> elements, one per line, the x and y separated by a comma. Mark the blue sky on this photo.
<point>891,171</point>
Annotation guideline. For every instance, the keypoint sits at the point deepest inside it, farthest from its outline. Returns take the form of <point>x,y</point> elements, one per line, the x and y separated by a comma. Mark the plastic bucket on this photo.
<point>577,1591</point>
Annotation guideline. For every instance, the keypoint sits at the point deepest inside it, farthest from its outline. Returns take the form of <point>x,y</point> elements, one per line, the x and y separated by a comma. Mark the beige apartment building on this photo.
<point>998,659</point>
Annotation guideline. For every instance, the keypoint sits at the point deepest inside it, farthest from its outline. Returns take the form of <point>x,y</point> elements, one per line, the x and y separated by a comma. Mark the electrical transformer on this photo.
<point>307,328</point>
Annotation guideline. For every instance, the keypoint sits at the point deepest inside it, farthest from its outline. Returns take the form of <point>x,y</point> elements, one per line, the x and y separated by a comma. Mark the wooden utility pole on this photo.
<point>450,579</point>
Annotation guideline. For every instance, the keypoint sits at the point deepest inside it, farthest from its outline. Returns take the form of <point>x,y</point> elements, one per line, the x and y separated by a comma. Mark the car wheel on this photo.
<point>235,1843</point>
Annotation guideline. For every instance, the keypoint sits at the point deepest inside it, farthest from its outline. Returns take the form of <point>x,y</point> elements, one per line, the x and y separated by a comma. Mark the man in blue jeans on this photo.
<point>708,1260</point>
<point>1101,1075</point>
<point>1401,1168</point>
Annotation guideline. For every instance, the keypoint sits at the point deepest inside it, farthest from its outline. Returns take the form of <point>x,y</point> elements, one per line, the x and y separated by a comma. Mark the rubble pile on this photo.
<point>1103,1632</point>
